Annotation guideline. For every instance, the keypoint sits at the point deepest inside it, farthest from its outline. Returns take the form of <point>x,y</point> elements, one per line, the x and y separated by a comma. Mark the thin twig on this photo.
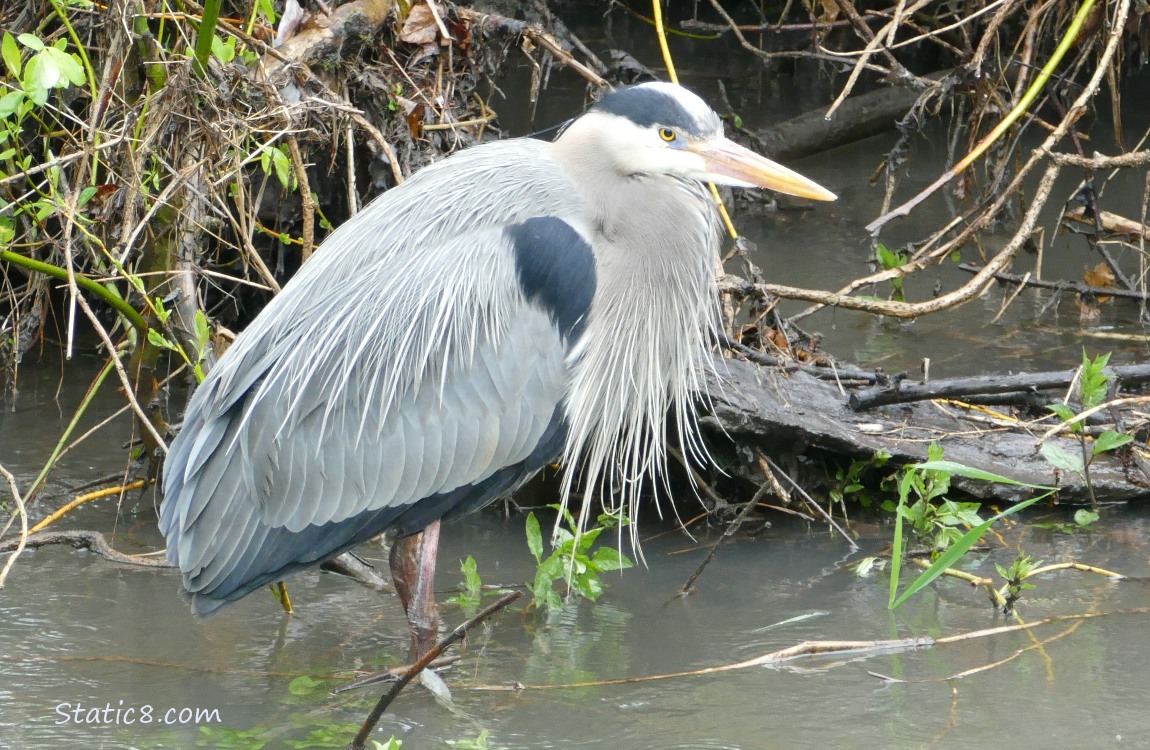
<point>307,203</point>
<point>685,589</point>
<point>812,504</point>
<point>23,512</point>
<point>377,713</point>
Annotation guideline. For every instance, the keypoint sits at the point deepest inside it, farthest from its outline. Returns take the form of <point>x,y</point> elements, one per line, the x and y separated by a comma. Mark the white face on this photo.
<point>690,145</point>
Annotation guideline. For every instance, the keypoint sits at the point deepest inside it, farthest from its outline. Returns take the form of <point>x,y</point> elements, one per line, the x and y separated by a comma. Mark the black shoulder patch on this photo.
<point>646,106</point>
<point>556,269</point>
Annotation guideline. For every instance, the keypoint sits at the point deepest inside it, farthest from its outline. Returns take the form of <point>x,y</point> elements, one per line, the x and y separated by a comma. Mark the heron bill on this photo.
<point>740,166</point>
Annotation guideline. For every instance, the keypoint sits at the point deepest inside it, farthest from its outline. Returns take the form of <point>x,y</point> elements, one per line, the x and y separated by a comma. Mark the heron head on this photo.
<point>662,128</point>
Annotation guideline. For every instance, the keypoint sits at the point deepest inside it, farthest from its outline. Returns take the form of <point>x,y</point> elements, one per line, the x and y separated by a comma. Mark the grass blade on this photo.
<point>958,549</point>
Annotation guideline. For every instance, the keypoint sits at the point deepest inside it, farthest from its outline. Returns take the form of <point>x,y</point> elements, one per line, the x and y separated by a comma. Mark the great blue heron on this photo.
<point>516,303</point>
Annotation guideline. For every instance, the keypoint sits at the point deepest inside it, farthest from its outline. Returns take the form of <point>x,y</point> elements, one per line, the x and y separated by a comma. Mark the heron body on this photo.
<point>513,304</point>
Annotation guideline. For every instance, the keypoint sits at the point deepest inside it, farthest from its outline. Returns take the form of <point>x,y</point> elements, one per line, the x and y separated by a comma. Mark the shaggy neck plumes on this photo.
<point>642,354</point>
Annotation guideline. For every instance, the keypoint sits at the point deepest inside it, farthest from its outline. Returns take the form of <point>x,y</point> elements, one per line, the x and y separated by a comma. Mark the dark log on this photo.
<point>858,117</point>
<point>793,413</point>
<point>903,392</point>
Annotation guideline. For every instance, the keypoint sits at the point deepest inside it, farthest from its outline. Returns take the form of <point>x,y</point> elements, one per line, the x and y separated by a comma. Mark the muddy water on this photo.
<point>78,633</point>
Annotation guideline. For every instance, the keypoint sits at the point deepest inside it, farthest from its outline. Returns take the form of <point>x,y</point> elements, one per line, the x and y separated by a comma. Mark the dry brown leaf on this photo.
<point>1100,275</point>
<point>420,27</point>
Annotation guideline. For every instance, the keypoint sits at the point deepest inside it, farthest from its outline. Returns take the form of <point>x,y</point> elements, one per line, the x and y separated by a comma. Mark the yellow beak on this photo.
<point>728,163</point>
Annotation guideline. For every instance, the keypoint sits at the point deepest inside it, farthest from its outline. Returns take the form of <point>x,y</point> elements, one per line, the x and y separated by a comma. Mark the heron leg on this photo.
<point>412,563</point>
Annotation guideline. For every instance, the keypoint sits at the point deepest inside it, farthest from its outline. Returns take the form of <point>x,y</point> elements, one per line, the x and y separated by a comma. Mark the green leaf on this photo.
<point>1064,412</point>
<point>960,548</point>
<point>1062,458</point>
<point>588,537</point>
<point>67,66</point>
<point>1094,379</point>
<point>609,558</point>
<point>886,258</point>
<point>534,537</point>
<point>471,579</point>
<point>224,51</point>
<point>39,76</point>
<point>1084,517</point>
<point>86,195</point>
<point>31,42</point>
<point>10,102</point>
<point>304,685</point>
<point>203,333</point>
<point>904,485</point>
<point>157,339</point>
<point>282,164</point>
<point>11,54</point>
<point>970,472</point>
<point>1110,440</point>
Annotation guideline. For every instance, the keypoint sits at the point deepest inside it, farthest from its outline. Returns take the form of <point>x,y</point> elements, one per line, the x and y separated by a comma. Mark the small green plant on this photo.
<point>1083,520</point>
<point>203,333</point>
<point>934,520</point>
<point>959,547</point>
<point>888,260</point>
<point>848,481</point>
<point>1014,576</point>
<point>471,592</point>
<point>333,735</point>
<point>1093,384</point>
<point>393,101</point>
<point>306,685</point>
<point>49,67</point>
<point>571,560</point>
<point>276,159</point>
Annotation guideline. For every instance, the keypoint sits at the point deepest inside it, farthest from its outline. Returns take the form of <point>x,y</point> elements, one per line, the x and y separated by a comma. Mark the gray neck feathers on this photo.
<point>655,239</point>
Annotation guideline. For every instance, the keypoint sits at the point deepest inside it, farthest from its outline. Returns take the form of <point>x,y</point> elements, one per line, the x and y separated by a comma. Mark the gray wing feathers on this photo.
<point>397,368</point>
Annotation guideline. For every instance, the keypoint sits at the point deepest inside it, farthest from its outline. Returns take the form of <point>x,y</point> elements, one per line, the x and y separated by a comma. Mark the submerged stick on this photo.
<point>819,648</point>
<point>385,700</point>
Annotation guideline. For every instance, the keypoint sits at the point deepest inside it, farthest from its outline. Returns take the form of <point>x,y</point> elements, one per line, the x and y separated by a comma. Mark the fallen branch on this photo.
<point>1111,222</point>
<point>903,391</point>
<point>87,498</point>
<point>820,648</point>
<point>896,309</point>
<point>1011,117</point>
<point>385,700</point>
<point>860,116</point>
<point>84,539</point>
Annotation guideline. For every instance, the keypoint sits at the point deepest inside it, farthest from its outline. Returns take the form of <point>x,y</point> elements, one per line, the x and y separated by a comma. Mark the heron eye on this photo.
<point>667,134</point>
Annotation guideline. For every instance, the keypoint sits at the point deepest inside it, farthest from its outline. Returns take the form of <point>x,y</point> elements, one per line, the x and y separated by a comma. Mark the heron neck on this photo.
<point>655,240</point>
